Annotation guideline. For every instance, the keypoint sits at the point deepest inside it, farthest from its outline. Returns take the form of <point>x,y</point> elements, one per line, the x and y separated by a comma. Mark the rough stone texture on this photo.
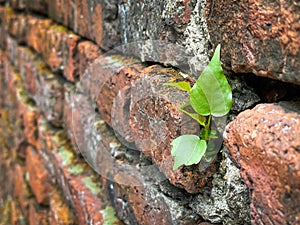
<point>179,26</point>
<point>39,177</point>
<point>144,113</point>
<point>261,37</point>
<point>131,186</point>
<point>228,200</point>
<point>264,143</point>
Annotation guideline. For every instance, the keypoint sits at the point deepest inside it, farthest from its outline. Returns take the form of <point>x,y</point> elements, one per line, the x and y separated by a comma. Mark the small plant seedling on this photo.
<point>210,96</point>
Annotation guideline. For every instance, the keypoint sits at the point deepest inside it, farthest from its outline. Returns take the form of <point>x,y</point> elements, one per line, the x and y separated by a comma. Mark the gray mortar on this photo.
<point>228,201</point>
<point>145,22</point>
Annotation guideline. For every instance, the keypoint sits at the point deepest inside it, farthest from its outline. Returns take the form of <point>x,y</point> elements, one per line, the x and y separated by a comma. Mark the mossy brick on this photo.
<point>17,217</point>
<point>80,184</point>
<point>21,189</point>
<point>15,24</point>
<point>87,53</point>
<point>3,32</point>
<point>37,32</point>
<point>118,168</point>
<point>60,212</point>
<point>39,6</point>
<point>94,20</point>
<point>70,57</point>
<point>39,176</point>
<point>38,215</point>
<point>18,4</point>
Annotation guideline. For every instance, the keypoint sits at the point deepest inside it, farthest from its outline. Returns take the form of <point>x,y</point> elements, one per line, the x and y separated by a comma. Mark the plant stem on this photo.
<point>207,128</point>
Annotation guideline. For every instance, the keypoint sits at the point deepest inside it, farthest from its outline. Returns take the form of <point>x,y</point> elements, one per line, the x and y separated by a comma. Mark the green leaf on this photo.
<point>211,94</point>
<point>200,119</point>
<point>182,85</point>
<point>187,150</point>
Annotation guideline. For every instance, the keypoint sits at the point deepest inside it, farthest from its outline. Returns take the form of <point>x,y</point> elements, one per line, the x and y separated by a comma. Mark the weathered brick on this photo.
<point>144,112</point>
<point>29,115</point>
<point>37,215</point>
<point>37,32</point>
<point>70,58</point>
<point>18,4</point>
<point>80,185</point>
<point>16,24</point>
<point>17,217</point>
<point>87,53</point>
<point>60,213</point>
<point>264,142</point>
<point>123,175</point>
<point>95,20</point>
<point>39,177</point>
<point>40,6</point>
<point>21,188</point>
<point>2,28</point>
<point>257,37</point>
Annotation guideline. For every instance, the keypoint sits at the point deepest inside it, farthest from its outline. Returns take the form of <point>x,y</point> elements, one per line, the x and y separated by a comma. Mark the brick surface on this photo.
<point>60,213</point>
<point>39,177</point>
<point>270,45</point>
<point>37,214</point>
<point>16,24</point>
<point>135,97</point>
<point>261,143</point>
<point>18,4</point>
<point>123,176</point>
<point>21,188</point>
<point>87,53</point>
<point>2,28</point>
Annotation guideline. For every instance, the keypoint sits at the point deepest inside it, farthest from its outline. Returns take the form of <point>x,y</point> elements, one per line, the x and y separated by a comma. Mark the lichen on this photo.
<point>109,215</point>
<point>76,169</point>
<point>66,156</point>
<point>91,185</point>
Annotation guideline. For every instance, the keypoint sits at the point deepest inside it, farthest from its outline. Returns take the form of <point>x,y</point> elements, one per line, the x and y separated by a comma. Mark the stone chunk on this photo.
<point>264,143</point>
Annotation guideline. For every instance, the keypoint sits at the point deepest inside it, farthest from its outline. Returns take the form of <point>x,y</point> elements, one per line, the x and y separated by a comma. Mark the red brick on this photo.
<point>37,214</point>
<point>70,58</point>
<point>60,213</point>
<point>21,188</point>
<point>264,143</point>
<point>40,6</point>
<point>17,217</point>
<point>16,24</point>
<point>29,115</point>
<point>79,184</point>
<point>36,33</point>
<point>18,4</point>
<point>3,32</point>
<point>134,100</point>
<point>87,53</point>
<point>39,177</point>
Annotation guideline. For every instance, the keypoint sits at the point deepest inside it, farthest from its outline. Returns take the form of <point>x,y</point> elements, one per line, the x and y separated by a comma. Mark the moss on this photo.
<point>5,214</point>
<point>76,169</point>
<point>66,155</point>
<point>91,185</point>
<point>109,215</point>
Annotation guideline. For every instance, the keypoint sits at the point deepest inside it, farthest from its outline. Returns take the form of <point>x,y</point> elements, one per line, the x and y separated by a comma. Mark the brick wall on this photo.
<point>76,150</point>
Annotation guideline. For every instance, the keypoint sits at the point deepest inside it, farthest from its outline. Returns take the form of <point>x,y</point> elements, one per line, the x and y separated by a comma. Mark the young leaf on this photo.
<point>200,119</point>
<point>187,150</point>
<point>182,85</point>
<point>212,94</point>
